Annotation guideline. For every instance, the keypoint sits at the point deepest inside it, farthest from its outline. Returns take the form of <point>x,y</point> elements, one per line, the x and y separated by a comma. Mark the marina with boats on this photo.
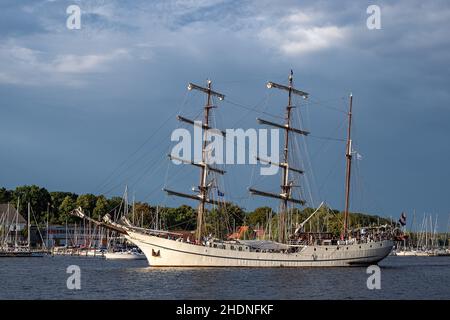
<point>80,240</point>
<point>423,240</point>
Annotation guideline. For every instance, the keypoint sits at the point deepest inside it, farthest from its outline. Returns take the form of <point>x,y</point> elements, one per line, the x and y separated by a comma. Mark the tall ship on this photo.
<point>164,248</point>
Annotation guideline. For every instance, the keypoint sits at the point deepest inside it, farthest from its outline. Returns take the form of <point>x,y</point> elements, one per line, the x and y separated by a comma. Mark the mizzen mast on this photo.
<point>286,186</point>
<point>348,156</point>
<point>203,189</point>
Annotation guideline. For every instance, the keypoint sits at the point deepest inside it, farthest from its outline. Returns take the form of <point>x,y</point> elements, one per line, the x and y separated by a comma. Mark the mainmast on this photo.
<point>204,187</point>
<point>348,155</point>
<point>286,185</point>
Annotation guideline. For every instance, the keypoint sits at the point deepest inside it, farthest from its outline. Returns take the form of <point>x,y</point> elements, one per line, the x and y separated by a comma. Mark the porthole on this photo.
<point>337,248</point>
<point>315,249</point>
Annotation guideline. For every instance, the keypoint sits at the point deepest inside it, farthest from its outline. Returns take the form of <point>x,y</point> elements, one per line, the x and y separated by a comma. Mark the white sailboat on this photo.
<point>170,249</point>
<point>128,254</point>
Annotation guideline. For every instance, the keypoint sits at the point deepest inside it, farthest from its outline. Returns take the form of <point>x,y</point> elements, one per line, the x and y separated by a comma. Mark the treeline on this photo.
<point>55,207</point>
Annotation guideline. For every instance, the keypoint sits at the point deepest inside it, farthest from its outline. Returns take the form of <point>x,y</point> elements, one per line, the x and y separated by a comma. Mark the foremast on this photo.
<point>203,189</point>
<point>286,185</point>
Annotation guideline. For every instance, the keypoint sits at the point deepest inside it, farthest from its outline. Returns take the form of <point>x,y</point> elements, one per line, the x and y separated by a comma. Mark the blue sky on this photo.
<point>91,110</point>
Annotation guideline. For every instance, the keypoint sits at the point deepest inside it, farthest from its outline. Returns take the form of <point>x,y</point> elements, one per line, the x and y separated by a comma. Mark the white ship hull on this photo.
<point>161,252</point>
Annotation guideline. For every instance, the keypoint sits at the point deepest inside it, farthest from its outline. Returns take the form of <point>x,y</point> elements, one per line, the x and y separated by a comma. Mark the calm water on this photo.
<point>45,278</point>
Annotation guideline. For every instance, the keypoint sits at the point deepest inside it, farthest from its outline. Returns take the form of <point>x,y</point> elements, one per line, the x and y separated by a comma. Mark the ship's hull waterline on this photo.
<point>161,252</point>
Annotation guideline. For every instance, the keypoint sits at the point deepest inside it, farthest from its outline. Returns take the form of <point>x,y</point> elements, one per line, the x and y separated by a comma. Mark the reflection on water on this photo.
<point>45,278</point>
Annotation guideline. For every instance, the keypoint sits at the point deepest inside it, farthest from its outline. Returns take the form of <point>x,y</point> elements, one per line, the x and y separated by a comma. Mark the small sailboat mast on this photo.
<point>17,224</point>
<point>48,214</point>
<point>29,228</point>
<point>348,156</point>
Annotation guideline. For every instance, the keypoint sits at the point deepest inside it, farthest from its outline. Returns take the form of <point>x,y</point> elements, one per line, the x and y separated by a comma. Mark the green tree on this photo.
<point>183,217</point>
<point>59,196</point>
<point>87,202</point>
<point>39,199</point>
<point>5,195</point>
<point>221,221</point>
<point>234,212</point>
<point>101,208</point>
<point>258,216</point>
<point>57,199</point>
<point>114,205</point>
<point>64,210</point>
<point>143,214</point>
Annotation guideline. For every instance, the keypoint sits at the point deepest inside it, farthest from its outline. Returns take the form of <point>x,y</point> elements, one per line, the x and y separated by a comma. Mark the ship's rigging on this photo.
<point>290,177</point>
<point>203,195</point>
<point>286,184</point>
<point>167,248</point>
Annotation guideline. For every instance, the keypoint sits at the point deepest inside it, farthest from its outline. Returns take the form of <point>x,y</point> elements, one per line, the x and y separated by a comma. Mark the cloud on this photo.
<point>26,66</point>
<point>70,63</point>
<point>144,32</point>
<point>54,54</point>
<point>296,40</point>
